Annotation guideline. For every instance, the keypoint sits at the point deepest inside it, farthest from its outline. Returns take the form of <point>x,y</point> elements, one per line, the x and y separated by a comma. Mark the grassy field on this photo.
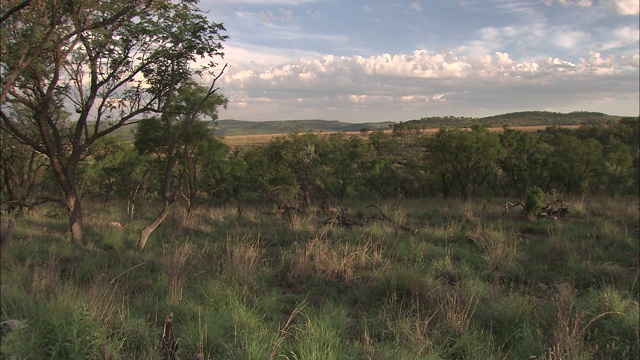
<point>472,283</point>
<point>249,141</point>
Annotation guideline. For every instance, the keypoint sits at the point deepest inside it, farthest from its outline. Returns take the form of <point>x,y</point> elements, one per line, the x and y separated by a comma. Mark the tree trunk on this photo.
<point>153,225</point>
<point>8,225</point>
<point>74,207</point>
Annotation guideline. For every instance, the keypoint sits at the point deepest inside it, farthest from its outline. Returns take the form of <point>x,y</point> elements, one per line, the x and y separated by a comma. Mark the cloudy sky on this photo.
<point>370,61</point>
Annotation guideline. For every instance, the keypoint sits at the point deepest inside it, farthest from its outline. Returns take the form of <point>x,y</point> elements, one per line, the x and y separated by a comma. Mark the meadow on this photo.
<point>473,282</point>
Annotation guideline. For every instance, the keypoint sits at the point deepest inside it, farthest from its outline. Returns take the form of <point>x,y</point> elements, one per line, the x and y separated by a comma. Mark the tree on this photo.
<point>269,173</point>
<point>199,155</point>
<point>572,161</point>
<point>345,165</point>
<point>114,167</point>
<point>31,29</point>
<point>464,159</point>
<point>22,169</point>
<point>186,103</point>
<point>523,160</point>
<point>82,69</point>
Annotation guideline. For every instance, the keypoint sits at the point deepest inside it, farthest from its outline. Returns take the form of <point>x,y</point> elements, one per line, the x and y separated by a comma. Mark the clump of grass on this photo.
<point>510,318</point>
<point>342,262</point>
<point>499,246</point>
<point>243,259</point>
<point>567,332</point>
<point>178,262</point>
<point>614,322</point>
<point>458,310</point>
<point>321,334</point>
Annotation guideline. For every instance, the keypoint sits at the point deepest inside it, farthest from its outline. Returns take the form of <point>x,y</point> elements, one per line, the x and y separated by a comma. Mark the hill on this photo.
<point>228,127</point>
<point>523,118</point>
<point>238,127</point>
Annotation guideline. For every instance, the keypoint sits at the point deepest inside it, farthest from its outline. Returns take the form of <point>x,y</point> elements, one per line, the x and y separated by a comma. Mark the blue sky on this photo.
<point>362,61</point>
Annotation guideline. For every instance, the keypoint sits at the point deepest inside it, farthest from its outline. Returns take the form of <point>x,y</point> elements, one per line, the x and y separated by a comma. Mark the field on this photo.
<point>249,141</point>
<point>472,282</point>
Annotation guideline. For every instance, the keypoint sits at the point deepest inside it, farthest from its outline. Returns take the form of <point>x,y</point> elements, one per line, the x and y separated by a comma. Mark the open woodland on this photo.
<point>132,230</point>
<point>329,246</point>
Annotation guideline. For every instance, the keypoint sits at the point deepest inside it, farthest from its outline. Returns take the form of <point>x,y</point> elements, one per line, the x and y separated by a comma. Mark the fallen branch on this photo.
<point>341,220</point>
<point>397,226</point>
<point>507,204</point>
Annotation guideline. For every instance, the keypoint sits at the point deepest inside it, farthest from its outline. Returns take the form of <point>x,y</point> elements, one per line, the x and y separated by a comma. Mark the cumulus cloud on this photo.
<point>424,82</point>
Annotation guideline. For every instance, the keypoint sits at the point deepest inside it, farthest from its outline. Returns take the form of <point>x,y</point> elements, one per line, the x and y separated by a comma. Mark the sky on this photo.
<point>372,61</point>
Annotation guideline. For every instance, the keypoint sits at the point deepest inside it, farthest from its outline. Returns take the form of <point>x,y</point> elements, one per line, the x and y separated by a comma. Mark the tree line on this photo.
<point>298,171</point>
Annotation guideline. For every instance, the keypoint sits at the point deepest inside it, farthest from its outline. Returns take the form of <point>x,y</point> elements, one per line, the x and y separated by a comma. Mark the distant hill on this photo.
<point>523,118</point>
<point>237,127</point>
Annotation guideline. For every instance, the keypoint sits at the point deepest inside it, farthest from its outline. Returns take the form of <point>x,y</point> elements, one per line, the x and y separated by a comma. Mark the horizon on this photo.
<point>426,117</point>
<point>370,61</point>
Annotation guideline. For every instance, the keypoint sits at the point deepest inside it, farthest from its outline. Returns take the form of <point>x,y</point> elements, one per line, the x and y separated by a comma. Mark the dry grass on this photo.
<point>499,246</point>
<point>458,310</point>
<point>566,334</point>
<point>178,262</point>
<point>334,261</point>
<point>243,259</point>
<point>248,141</point>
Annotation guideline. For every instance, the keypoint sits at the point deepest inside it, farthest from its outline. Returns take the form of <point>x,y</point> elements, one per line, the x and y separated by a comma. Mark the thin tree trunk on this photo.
<point>154,225</point>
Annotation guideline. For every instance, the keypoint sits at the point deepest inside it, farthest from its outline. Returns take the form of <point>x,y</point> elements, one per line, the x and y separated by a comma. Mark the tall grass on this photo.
<point>472,283</point>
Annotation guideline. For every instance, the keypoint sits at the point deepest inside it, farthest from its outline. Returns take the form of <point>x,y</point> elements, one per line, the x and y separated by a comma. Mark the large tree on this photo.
<point>83,69</point>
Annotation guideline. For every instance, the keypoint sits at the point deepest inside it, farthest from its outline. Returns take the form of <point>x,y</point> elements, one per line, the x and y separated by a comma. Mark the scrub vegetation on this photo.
<point>449,243</point>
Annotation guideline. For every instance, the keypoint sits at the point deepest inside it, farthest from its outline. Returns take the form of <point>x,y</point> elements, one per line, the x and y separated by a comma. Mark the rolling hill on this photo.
<point>238,127</point>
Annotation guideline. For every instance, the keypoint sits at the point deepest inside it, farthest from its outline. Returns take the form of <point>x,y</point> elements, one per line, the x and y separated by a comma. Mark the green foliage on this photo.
<point>524,160</point>
<point>535,201</point>
<point>55,50</point>
<point>464,160</point>
<point>523,118</point>
<point>572,162</point>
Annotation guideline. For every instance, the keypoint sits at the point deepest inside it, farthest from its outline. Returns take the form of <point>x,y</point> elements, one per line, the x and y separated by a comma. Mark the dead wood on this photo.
<point>510,204</point>
<point>396,225</point>
<point>168,345</point>
<point>555,210</point>
<point>340,220</point>
<point>6,230</point>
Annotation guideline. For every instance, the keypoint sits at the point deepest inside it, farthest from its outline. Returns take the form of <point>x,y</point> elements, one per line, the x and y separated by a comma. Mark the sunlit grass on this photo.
<point>472,283</point>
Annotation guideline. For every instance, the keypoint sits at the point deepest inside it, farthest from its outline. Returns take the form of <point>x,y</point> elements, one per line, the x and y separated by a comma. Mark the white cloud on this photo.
<point>415,6</point>
<point>570,39</point>
<point>583,3</point>
<point>625,7</point>
<point>356,88</point>
<point>622,7</point>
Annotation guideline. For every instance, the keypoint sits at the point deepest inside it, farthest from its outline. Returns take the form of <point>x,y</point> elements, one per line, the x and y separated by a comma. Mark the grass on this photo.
<point>472,283</point>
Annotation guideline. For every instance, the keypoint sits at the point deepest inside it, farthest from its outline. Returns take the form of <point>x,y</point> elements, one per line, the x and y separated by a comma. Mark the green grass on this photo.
<point>472,283</point>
